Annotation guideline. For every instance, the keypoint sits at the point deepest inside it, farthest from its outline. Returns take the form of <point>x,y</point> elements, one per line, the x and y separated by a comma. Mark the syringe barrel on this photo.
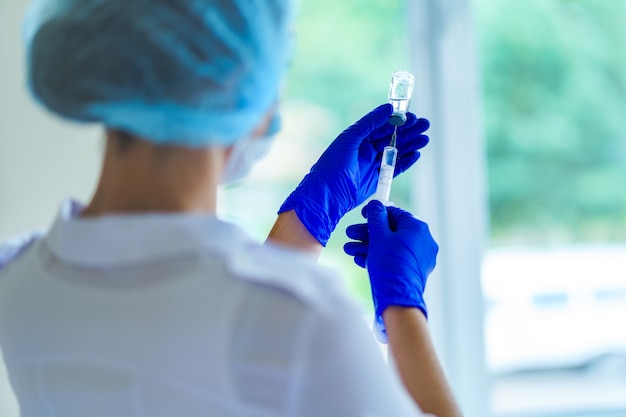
<point>385,177</point>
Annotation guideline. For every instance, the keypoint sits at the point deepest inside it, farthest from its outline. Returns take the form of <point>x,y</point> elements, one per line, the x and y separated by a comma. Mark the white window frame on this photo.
<point>449,189</point>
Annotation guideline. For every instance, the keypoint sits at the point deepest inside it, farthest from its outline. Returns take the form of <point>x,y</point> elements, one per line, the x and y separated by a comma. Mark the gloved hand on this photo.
<point>398,252</point>
<point>347,172</point>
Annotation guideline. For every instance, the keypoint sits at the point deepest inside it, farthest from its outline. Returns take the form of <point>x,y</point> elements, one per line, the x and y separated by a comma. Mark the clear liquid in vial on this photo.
<point>400,105</point>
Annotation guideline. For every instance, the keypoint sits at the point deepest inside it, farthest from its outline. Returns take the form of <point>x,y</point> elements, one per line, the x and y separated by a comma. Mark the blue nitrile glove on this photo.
<point>347,172</point>
<point>398,252</point>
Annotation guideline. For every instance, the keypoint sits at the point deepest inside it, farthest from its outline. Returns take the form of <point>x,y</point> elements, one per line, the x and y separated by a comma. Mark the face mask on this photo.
<point>248,151</point>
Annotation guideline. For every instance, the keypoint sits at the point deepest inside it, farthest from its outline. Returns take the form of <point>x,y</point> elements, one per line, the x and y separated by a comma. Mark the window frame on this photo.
<point>449,189</point>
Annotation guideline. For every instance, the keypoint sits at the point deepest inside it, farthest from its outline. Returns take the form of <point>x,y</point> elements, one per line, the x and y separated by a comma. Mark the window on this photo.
<point>551,78</point>
<point>553,75</point>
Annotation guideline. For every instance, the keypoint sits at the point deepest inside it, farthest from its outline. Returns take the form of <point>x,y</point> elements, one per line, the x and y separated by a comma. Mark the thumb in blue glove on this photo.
<point>399,253</point>
<point>347,172</point>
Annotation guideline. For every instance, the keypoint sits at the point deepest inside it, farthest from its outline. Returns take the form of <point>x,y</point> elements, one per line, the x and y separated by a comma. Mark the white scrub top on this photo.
<point>167,315</point>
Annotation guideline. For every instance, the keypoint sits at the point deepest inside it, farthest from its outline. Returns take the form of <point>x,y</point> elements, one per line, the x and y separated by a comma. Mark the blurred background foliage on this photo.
<point>346,53</point>
<point>554,97</point>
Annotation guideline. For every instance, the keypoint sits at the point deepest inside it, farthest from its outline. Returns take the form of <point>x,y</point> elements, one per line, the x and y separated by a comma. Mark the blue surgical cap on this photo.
<point>185,72</point>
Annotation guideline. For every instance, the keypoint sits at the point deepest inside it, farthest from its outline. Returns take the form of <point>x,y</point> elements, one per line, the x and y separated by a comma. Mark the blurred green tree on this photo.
<point>346,52</point>
<point>554,84</point>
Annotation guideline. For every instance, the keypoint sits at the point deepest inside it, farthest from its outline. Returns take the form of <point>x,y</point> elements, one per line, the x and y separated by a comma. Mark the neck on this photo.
<point>149,178</point>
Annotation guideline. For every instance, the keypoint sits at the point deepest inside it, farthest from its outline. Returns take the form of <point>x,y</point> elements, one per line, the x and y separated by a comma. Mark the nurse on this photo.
<point>142,302</point>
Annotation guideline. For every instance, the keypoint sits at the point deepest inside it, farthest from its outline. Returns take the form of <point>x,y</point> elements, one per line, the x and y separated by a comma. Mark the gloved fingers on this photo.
<point>361,260</point>
<point>364,211</point>
<point>408,137</point>
<point>380,144</point>
<point>376,208</point>
<point>420,125</point>
<point>407,152</point>
<point>408,141</point>
<point>413,124</point>
<point>358,232</point>
<point>381,137</point>
<point>355,248</point>
<point>385,131</point>
<point>399,218</point>
<point>377,218</point>
<point>397,213</point>
<point>369,123</point>
<point>405,162</point>
<point>411,119</point>
<point>359,251</point>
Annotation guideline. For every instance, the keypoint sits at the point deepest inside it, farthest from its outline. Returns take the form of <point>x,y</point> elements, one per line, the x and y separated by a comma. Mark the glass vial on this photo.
<point>400,93</point>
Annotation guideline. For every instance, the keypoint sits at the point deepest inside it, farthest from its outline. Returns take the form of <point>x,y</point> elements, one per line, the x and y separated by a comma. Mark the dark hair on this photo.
<point>122,140</point>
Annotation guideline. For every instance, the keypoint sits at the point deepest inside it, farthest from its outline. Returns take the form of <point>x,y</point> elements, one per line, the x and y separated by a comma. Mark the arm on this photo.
<point>399,254</point>
<point>417,363</point>
<point>289,231</point>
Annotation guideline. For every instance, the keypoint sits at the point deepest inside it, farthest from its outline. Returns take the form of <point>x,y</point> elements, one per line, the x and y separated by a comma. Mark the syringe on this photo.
<point>387,168</point>
<point>400,92</point>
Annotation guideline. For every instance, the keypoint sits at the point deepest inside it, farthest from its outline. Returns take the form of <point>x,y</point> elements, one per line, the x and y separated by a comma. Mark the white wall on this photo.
<point>42,160</point>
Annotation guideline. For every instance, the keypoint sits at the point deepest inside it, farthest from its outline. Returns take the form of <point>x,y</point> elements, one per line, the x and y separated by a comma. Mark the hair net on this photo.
<point>185,72</point>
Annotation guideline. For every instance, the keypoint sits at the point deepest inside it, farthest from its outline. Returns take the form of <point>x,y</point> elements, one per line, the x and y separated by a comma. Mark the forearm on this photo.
<point>416,360</point>
<point>289,231</point>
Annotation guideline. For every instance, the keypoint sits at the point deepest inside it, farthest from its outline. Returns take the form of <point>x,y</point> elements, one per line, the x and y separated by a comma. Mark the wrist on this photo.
<point>415,303</point>
<point>290,232</point>
<point>315,207</point>
<point>382,319</point>
<point>387,322</point>
<point>393,313</point>
<point>396,290</point>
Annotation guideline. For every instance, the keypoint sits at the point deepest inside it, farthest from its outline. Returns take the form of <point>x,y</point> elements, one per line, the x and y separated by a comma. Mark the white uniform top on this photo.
<point>183,315</point>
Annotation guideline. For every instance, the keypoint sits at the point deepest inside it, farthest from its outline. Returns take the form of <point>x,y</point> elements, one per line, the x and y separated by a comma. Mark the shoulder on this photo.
<point>290,272</point>
<point>12,248</point>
